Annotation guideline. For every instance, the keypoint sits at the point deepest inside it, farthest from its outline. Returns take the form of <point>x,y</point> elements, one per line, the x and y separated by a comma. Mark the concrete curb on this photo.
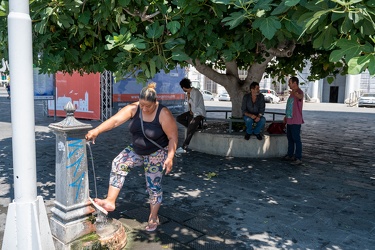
<point>236,146</point>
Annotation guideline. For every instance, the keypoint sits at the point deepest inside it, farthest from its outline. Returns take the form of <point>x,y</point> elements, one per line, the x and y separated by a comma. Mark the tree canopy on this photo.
<point>275,37</point>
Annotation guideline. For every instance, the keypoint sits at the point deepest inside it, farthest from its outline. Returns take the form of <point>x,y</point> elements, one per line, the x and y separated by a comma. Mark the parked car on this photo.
<point>224,97</point>
<point>207,95</point>
<point>270,95</point>
<point>367,100</point>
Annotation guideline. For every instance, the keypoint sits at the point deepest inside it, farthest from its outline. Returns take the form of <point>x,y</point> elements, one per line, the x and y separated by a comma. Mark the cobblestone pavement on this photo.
<point>213,202</point>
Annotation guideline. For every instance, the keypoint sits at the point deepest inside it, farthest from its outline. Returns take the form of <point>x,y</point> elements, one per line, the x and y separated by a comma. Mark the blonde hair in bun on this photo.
<point>148,93</point>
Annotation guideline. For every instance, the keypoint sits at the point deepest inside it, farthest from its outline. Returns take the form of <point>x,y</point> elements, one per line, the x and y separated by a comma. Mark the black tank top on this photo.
<point>153,130</point>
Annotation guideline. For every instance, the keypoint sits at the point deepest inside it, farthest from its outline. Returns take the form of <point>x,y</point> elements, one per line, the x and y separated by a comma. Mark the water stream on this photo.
<point>102,219</point>
<point>111,231</point>
<point>93,169</point>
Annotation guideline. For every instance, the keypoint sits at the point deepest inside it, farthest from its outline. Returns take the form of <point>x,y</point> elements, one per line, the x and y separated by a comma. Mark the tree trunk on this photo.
<point>235,86</point>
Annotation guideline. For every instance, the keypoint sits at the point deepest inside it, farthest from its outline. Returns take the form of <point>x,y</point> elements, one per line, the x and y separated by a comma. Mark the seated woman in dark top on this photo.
<point>253,107</point>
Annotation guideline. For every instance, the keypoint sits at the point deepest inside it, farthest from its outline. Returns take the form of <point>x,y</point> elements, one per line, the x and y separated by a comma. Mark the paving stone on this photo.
<point>216,243</point>
<point>180,232</point>
<point>205,225</point>
<point>141,215</point>
<point>141,240</point>
<point>175,214</point>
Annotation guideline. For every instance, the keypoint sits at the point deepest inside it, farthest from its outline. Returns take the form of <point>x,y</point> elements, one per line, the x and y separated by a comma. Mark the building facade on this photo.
<point>341,90</point>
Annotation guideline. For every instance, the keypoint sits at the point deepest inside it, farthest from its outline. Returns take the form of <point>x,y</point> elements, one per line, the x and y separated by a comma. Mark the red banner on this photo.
<point>83,91</point>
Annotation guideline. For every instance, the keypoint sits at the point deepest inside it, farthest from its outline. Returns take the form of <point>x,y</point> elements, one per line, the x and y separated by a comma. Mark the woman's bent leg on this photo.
<point>121,166</point>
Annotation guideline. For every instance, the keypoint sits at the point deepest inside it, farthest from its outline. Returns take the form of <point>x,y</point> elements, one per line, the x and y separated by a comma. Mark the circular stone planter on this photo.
<point>236,146</point>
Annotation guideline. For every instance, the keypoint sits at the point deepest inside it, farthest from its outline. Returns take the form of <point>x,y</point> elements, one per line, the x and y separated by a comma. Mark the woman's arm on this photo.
<point>169,126</point>
<point>119,118</point>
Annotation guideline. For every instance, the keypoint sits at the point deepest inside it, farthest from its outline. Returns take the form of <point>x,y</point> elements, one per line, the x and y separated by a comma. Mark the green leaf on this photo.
<point>263,5</point>
<point>268,26</point>
<point>159,61</point>
<point>304,18</point>
<point>84,17</point>
<point>72,54</point>
<point>329,36</point>
<point>235,19</point>
<point>316,19</point>
<point>179,55</point>
<point>280,9</point>
<point>326,38</point>
<point>356,17</point>
<point>139,43</point>
<point>226,2</point>
<point>172,43</point>
<point>367,29</point>
<point>209,175</point>
<point>48,11</point>
<point>86,57</point>
<point>192,9</point>
<point>173,26</point>
<point>40,27</point>
<point>154,30</point>
<point>291,2</point>
<point>145,70</point>
<point>128,46</point>
<point>330,79</point>
<point>371,66</point>
<point>348,49</point>
<point>355,67</point>
<point>292,26</point>
<point>64,20</point>
<point>346,25</point>
<point>364,59</point>
<point>152,68</point>
<point>315,6</point>
<point>124,3</point>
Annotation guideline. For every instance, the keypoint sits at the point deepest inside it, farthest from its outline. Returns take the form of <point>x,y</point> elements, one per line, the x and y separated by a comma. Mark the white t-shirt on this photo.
<point>197,103</point>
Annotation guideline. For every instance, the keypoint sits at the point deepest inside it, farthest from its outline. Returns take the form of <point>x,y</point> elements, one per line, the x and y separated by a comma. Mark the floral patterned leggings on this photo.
<point>153,166</point>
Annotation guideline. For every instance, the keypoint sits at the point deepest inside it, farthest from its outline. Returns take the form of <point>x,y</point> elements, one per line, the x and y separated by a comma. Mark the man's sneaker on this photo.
<point>247,136</point>
<point>297,162</point>
<point>180,150</point>
<point>288,158</point>
<point>259,137</point>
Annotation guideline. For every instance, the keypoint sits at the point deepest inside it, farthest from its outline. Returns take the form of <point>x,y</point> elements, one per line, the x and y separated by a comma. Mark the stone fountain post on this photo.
<point>72,209</point>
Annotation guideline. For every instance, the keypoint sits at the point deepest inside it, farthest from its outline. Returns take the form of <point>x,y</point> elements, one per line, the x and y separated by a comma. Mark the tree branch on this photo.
<point>255,72</point>
<point>143,15</point>
<point>222,79</point>
<point>232,68</point>
<point>284,49</point>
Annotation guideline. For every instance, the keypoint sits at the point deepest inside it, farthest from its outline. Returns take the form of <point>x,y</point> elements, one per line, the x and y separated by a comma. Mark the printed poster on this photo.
<point>167,87</point>
<point>83,91</point>
<point>43,85</point>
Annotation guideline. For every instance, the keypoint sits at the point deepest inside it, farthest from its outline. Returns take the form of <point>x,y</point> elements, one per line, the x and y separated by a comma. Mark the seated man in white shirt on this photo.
<point>192,118</point>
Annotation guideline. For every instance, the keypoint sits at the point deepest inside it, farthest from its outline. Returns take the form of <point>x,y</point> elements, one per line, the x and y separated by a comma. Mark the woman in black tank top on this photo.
<point>159,126</point>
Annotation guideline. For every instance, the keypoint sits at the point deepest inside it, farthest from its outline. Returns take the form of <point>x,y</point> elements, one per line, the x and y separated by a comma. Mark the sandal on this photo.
<point>151,226</point>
